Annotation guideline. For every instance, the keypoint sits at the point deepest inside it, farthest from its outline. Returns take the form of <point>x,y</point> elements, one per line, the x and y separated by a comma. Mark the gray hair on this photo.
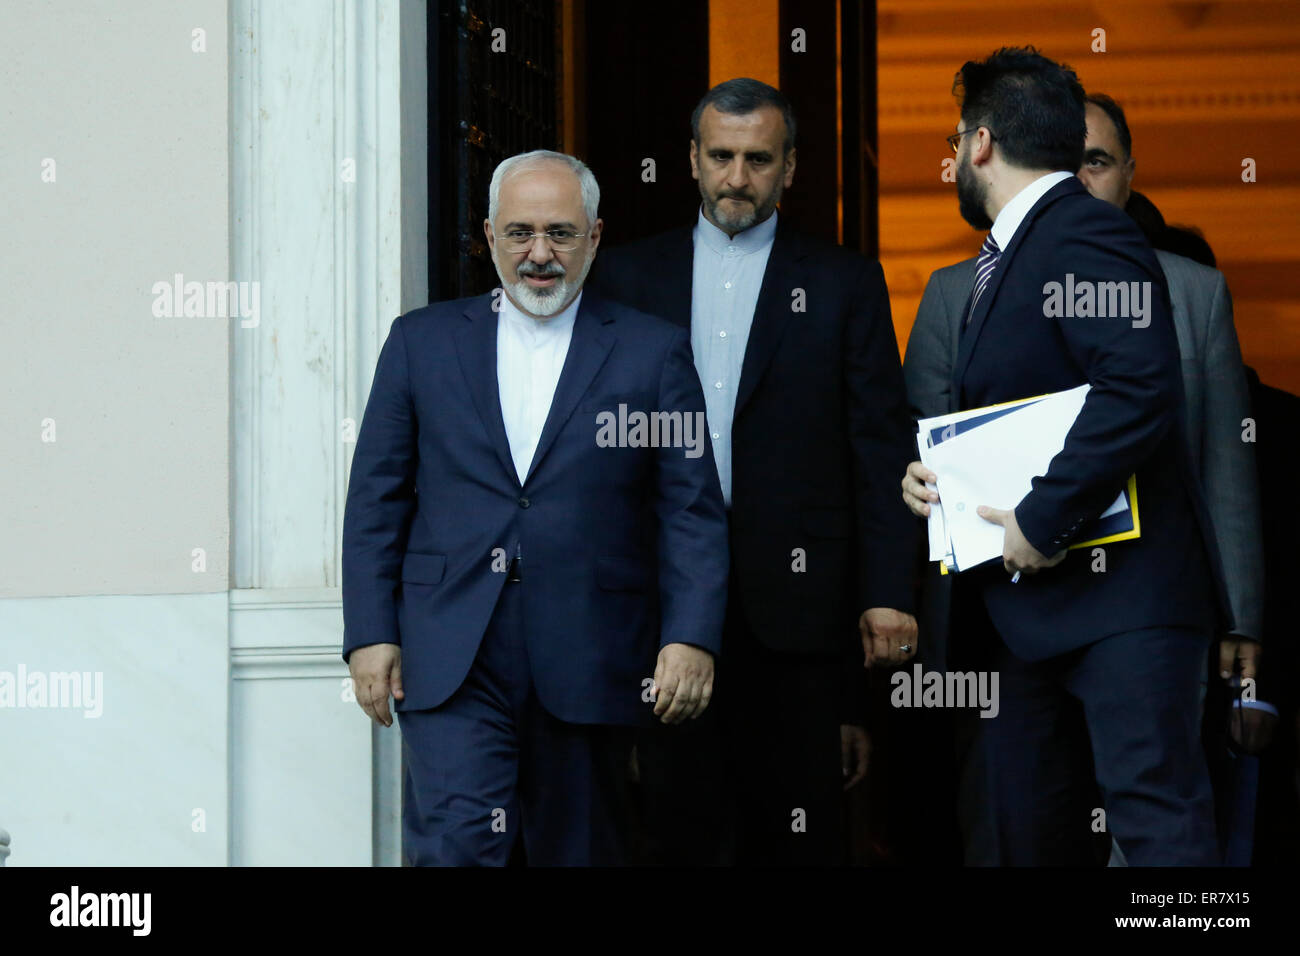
<point>538,157</point>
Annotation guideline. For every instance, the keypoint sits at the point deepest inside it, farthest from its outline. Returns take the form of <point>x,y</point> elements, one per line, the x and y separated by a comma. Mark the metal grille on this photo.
<point>499,102</point>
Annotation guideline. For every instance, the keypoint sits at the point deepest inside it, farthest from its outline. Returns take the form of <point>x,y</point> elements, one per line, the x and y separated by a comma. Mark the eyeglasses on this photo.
<point>955,139</point>
<point>521,240</point>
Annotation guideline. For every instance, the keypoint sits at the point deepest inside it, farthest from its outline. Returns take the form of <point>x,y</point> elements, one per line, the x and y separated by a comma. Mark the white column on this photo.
<point>329,208</point>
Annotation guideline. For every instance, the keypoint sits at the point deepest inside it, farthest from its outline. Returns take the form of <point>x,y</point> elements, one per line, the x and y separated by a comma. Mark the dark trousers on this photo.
<point>1113,726</point>
<point>757,779</point>
<point>491,765</point>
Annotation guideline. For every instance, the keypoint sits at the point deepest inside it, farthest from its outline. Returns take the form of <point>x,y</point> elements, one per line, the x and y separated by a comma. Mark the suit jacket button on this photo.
<point>524,502</point>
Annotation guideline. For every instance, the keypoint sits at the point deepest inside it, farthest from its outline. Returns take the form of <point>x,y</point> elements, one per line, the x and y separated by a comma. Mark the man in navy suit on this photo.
<point>1100,651</point>
<point>534,543</point>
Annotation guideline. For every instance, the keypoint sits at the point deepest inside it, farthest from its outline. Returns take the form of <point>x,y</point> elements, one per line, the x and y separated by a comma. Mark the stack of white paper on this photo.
<point>990,456</point>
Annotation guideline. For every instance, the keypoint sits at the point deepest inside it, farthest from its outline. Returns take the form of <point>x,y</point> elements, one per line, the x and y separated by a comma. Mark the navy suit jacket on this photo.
<point>1132,422</point>
<point>624,549</point>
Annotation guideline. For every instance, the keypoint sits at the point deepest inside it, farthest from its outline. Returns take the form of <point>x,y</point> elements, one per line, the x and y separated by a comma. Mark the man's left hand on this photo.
<point>855,748</point>
<point>1018,555</point>
<point>888,636</point>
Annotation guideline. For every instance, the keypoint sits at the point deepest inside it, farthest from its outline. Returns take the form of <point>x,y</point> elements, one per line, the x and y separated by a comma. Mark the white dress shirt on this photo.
<point>1014,212</point>
<point>728,275</point>
<point>530,357</point>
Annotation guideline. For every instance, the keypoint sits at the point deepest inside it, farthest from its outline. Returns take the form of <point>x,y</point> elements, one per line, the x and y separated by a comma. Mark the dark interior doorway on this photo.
<point>615,85</point>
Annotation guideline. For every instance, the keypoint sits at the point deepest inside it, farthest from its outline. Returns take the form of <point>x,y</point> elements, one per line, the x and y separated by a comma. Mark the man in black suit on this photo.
<point>807,414</point>
<point>1100,652</point>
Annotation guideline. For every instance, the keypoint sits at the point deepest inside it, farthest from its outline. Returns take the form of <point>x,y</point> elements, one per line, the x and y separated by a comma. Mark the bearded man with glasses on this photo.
<point>527,592</point>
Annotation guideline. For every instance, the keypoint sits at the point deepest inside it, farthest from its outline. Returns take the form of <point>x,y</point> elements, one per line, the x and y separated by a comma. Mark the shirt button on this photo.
<point>716,436</point>
<point>726,285</point>
<point>524,502</point>
<point>731,248</point>
<point>717,385</point>
<point>722,334</point>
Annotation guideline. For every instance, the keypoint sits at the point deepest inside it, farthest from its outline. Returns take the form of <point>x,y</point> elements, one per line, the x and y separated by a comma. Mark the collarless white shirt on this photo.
<point>1014,212</point>
<point>530,357</point>
<point>726,279</point>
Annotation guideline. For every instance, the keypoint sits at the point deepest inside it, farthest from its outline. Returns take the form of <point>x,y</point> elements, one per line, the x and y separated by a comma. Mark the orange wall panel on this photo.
<point>1204,86</point>
<point>744,37</point>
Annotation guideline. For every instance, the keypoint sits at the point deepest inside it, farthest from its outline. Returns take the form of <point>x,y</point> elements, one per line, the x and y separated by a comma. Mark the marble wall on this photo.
<point>177,547</point>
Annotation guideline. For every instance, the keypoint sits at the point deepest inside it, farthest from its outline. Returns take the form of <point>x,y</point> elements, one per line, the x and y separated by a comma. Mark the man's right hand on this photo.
<point>376,670</point>
<point>915,493</point>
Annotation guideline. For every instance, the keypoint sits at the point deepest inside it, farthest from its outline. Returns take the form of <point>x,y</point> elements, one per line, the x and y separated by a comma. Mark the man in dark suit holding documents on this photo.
<point>1215,390</point>
<point>1100,651</point>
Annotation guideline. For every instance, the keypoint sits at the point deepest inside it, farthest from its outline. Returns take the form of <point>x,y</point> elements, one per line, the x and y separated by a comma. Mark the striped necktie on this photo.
<point>988,260</point>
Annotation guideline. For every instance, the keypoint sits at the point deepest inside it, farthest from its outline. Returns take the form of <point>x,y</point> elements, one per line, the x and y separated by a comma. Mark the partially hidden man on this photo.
<point>527,592</point>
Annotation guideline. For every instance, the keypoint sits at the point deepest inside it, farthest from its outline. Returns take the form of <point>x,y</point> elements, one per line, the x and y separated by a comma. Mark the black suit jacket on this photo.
<point>1132,421</point>
<point>819,440</point>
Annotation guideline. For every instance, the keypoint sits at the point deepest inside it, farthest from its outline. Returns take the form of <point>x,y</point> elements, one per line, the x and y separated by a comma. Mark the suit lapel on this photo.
<point>588,348</point>
<point>772,312</point>
<point>961,290</point>
<point>1005,262</point>
<point>679,272</point>
<point>476,347</point>
<point>966,343</point>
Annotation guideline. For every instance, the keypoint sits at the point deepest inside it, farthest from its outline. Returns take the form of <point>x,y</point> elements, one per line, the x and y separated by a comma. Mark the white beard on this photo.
<point>544,303</point>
